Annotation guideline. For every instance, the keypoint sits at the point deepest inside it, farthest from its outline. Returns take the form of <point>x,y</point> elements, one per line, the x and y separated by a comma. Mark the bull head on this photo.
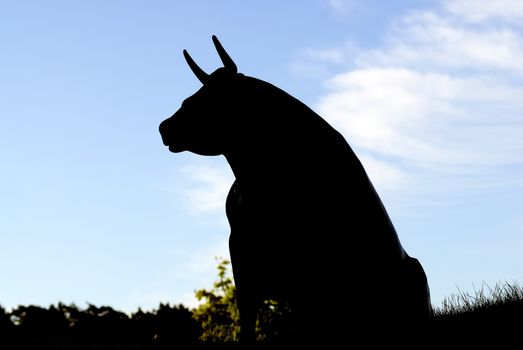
<point>204,123</point>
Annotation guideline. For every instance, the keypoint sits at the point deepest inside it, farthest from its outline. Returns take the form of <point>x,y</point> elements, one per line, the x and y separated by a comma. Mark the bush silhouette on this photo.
<point>35,320</point>
<point>218,313</point>
<point>6,325</point>
<point>69,327</point>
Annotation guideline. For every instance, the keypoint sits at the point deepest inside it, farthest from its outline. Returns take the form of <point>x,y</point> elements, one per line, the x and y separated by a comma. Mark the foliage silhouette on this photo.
<point>6,324</point>
<point>69,327</point>
<point>36,320</point>
<point>218,313</point>
<point>301,205</point>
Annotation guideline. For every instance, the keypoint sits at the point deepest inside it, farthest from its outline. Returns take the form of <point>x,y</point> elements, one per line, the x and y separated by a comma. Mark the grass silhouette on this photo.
<point>489,318</point>
<point>486,299</point>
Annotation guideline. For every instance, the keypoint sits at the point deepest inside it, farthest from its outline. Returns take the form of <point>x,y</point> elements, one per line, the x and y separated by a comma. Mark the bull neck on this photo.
<point>248,166</point>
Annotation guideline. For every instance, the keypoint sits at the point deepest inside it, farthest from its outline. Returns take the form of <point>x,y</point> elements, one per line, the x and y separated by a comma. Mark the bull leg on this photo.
<point>417,296</point>
<point>245,295</point>
<point>247,307</point>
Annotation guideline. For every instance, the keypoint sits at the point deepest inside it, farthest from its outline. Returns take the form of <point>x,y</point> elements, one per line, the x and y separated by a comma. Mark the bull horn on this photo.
<point>200,73</point>
<point>228,63</point>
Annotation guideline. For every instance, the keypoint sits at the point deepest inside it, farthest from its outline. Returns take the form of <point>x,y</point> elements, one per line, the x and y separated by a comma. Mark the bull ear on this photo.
<point>228,63</point>
<point>200,73</point>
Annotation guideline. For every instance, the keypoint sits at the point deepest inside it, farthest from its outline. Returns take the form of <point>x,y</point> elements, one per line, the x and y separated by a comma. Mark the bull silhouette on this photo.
<point>307,226</point>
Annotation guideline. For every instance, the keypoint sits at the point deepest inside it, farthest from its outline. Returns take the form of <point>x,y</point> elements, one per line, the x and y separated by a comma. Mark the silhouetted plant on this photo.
<point>218,314</point>
<point>219,317</point>
<point>175,324</point>
<point>6,326</point>
<point>69,327</point>
<point>484,299</point>
<point>273,323</point>
<point>143,324</point>
<point>36,320</point>
<point>492,317</point>
<point>105,321</point>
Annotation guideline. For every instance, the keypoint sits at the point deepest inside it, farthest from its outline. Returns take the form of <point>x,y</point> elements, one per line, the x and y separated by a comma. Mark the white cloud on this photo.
<point>314,64</point>
<point>482,10</point>
<point>440,41</point>
<point>341,6</point>
<point>208,189</point>
<point>200,267</point>
<point>203,261</point>
<point>196,267</point>
<point>382,173</point>
<point>435,120</point>
<point>332,55</point>
<point>441,98</point>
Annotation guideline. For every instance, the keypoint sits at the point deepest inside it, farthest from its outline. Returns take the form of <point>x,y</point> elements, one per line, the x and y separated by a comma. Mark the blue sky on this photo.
<point>94,209</point>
